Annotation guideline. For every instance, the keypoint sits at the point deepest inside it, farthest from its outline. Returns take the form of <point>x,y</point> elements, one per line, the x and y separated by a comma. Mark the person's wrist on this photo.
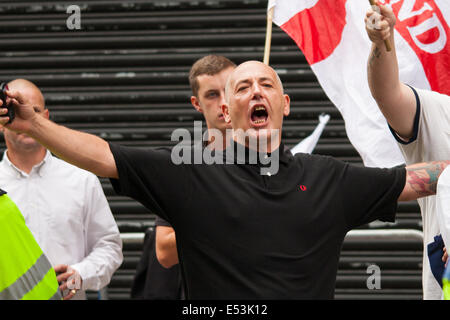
<point>36,122</point>
<point>378,43</point>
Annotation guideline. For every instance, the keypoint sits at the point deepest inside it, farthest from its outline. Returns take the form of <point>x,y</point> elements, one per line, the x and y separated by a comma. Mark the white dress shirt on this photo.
<point>67,212</point>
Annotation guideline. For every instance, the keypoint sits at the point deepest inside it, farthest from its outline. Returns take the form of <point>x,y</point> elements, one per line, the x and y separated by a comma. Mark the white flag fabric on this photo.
<point>308,144</point>
<point>332,36</point>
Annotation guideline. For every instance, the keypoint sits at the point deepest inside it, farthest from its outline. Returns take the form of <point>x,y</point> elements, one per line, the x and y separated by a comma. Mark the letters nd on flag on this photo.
<point>331,34</point>
<point>424,27</point>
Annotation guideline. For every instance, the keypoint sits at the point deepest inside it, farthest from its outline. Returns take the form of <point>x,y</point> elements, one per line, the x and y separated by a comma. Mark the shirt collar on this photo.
<point>40,168</point>
<point>284,154</point>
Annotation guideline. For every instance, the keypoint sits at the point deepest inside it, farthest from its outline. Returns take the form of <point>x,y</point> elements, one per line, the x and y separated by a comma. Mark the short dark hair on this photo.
<point>209,65</point>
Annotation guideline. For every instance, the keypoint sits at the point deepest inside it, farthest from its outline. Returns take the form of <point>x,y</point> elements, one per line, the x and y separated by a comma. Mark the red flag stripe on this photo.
<point>318,30</point>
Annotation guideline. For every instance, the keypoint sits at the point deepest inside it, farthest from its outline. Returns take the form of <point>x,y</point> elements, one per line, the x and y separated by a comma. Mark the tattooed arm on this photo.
<point>395,100</point>
<point>422,179</point>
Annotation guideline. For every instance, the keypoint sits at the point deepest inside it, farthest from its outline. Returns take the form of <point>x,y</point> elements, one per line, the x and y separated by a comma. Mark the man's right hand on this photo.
<point>380,23</point>
<point>25,114</point>
<point>64,142</point>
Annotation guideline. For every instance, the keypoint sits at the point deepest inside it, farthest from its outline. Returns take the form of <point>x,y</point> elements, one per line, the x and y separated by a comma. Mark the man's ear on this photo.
<point>46,114</point>
<point>287,105</point>
<point>196,104</point>
<point>226,113</point>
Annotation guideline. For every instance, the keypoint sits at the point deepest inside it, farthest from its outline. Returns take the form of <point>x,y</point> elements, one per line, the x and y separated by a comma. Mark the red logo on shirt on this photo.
<point>302,188</point>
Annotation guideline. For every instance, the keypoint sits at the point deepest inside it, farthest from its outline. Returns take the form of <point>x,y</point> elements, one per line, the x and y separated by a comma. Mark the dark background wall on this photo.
<point>123,77</point>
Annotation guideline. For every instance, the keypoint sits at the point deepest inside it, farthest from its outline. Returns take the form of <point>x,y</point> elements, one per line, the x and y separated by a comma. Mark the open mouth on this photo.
<point>259,115</point>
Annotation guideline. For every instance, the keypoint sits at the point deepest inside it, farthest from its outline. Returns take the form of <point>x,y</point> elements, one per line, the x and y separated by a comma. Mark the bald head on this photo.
<point>255,99</point>
<point>20,145</point>
<point>247,68</point>
<point>29,91</point>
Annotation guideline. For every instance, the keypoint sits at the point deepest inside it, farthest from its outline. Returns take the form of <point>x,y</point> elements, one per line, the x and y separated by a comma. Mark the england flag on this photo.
<point>332,36</point>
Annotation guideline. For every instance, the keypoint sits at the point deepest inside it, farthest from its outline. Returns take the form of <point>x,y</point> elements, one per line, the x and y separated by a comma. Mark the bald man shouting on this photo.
<point>243,232</point>
<point>63,206</point>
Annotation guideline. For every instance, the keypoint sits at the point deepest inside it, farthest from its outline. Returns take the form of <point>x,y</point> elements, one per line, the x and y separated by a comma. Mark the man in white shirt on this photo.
<point>64,207</point>
<point>419,121</point>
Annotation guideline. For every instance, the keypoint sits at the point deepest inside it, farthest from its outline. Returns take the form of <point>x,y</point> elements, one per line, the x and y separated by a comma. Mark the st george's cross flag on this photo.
<point>332,36</point>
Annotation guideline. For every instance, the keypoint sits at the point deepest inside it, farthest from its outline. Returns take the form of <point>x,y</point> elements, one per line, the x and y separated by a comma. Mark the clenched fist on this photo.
<point>380,22</point>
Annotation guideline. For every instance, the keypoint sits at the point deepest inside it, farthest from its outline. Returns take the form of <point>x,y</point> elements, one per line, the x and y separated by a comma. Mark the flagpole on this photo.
<point>268,35</point>
<point>387,44</point>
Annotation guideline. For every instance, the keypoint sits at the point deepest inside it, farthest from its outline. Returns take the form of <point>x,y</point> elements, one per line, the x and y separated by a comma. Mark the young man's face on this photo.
<point>256,99</point>
<point>211,97</point>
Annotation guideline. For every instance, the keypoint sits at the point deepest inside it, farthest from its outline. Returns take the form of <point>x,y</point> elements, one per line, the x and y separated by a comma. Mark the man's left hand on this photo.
<point>68,278</point>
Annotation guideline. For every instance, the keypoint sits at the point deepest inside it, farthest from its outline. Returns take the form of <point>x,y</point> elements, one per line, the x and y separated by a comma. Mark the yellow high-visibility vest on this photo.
<point>25,272</point>
<point>446,283</point>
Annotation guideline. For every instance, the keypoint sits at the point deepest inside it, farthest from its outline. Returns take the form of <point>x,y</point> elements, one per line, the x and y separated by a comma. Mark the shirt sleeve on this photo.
<point>415,124</point>
<point>102,236</point>
<point>370,194</point>
<point>430,131</point>
<point>152,178</point>
<point>161,222</point>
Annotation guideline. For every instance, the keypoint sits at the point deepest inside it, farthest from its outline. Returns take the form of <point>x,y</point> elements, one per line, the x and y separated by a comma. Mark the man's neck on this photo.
<point>265,145</point>
<point>25,161</point>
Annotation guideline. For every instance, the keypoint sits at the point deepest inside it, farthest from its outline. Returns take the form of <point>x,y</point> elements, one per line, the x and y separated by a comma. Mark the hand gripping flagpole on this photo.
<point>268,34</point>
<point>387,44</point>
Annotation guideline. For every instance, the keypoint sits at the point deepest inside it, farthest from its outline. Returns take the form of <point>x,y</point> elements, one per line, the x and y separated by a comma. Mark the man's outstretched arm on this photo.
<point>422,179</point>
<point>81,149</point>
<point>396,101</point>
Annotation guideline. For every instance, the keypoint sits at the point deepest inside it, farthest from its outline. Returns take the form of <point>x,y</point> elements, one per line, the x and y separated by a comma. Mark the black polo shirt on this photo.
<point>243,235</point>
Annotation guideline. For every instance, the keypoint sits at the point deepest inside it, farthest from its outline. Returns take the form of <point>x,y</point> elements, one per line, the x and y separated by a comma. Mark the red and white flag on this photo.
<point>332,36</point>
